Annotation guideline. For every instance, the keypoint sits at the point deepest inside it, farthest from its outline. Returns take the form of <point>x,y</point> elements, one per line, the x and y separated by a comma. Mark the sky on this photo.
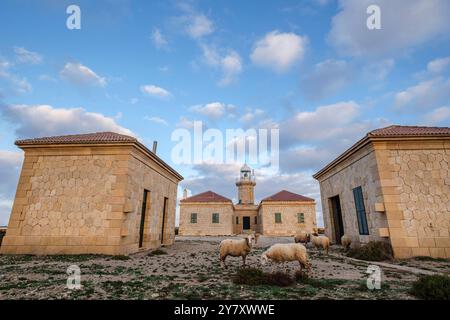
<point>311,69</point>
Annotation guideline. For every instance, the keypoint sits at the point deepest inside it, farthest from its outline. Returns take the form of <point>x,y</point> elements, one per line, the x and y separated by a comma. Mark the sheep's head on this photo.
<point>308,237</point>
<point>264,259</point>
<point>248,240</point>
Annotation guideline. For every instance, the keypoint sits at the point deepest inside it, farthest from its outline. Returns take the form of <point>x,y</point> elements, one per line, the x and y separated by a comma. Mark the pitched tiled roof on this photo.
<point>287,196</point>
<point>97,137</point>
<point>395,130</point>
<point>390,132</point>
<point>207,196</point>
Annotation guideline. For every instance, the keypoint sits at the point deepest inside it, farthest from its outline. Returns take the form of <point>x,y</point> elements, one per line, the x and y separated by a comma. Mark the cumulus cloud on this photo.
<point>424,95</point>
<point>14,82</point>
<point>438,116</point>
<point>198,25</point>
<point>327,78</point>
<point>158,39</point>
<point>44,120</point>
<point>279,51</point>
<point>438,65</point>
<point>379,70</point>
<point>157,120</point>
<point>25,56</point>
<point>155,91</point>
<point>350,35</point>
<point>230,63</point>
<point>10,164</point>
<point>79,74</point>
<point>214,110</point>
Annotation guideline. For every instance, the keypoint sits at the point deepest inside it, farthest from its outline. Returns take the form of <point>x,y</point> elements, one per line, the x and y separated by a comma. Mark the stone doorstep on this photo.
<point>390,265</point>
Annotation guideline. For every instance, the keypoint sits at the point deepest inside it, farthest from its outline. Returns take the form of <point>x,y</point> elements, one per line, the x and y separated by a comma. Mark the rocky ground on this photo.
<point>190,270</point>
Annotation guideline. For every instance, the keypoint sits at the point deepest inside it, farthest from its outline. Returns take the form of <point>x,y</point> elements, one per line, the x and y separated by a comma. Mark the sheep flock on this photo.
<point>280,252</point>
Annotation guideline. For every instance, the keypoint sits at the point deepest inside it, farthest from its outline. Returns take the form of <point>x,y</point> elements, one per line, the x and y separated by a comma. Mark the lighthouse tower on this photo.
<point>246,185</point>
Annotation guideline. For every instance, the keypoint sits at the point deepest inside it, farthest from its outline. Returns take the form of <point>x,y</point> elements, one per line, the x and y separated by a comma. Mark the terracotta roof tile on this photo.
<point>97,137</point>
<point>402,131</point>
<point>207,196</point>
<point>287,196</point>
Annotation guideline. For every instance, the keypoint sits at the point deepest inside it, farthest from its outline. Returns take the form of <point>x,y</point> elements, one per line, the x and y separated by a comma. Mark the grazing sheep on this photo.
<point>346,242</point>
<point>302,237</point>
<point>283,252</point>
<point>320,241</point>
<point>235,248</point>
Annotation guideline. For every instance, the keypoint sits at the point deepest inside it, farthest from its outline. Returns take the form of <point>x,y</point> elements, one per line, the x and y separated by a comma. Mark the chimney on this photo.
<point>155,145</point>
<point>184,193</point>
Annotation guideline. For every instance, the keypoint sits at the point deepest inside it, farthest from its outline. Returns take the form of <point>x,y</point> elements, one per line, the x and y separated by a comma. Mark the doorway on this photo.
<point>246,223</point>
<point>336,214</point>
<point>143,212</point>
<point>163,219</point>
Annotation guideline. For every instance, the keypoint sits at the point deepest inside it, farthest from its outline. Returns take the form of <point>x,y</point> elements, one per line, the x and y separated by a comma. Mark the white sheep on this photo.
<point>283,252</point>
<point>320,242</point>
<point>235,248</point>
<point>346,241</point>
<point>301,237</point>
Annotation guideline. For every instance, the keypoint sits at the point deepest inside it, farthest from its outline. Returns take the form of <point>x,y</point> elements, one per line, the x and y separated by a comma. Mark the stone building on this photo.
<point>102,193</point>
<point>392,185</point>
<point>282,214</point>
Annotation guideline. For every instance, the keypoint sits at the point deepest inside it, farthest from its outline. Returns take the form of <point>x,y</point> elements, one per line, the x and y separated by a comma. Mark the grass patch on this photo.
<point>120,257</point>
<point>372,251</point>
<point>426,258</point>
<point>157,252</point>
<point>434,287</point>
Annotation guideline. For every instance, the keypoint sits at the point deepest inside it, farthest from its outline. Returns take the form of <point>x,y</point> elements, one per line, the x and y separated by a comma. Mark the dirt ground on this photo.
<point>190,269</point>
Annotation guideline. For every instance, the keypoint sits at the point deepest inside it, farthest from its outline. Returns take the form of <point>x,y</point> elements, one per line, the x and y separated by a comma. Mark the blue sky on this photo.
<point>310,68</point>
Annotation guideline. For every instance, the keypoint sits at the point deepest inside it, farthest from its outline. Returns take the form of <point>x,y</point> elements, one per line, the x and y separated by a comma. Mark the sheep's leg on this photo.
<point>243,260</point>
<point>222,259</point>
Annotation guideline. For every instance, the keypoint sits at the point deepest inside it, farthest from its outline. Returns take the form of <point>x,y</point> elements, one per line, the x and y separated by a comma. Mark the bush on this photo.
<point>120,257</point>
<point>435,287</point>
<point>254,277</point>
<point>157,252</point>
<point>372,251</point>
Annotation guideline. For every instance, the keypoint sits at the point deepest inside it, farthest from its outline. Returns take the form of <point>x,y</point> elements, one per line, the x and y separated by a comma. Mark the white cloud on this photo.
<point>424,95</point>
<point>327,78</point>
<point>155,91</point>
<point>25,56</point>
<point>79,74</point>
<point>15,83</point>
<point>185,123</point>
<point>252,114</point>
<point>438,65</point>
<point>437,116</point>
<point>158,39</point>
<point>198,25</point>
<point>45,120</point>
<point>379,70</point>
<point>157,120</point>
<point>213,110</point>
<point>404,24</point>
<point>231,66</point>
<point>279,51</point>
<point>230,63</point>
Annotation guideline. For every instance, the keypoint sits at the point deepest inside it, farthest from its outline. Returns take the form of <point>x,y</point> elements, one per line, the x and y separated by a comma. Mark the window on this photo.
<point>301,217</point>
<point>277,217</point>
<point>237,220</point>
<point>215,218</point>
<point>193,218</point>
<point>360,211</point>
<point>256,219</point>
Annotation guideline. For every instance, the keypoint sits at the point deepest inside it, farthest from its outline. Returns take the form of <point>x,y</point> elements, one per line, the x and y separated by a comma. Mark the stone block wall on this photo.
<point>416,188</point>
<point>87,199</point>
<point>144,174</point>
<point>204,225</point>
<point>289,220</point>
<point>359,170</point>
